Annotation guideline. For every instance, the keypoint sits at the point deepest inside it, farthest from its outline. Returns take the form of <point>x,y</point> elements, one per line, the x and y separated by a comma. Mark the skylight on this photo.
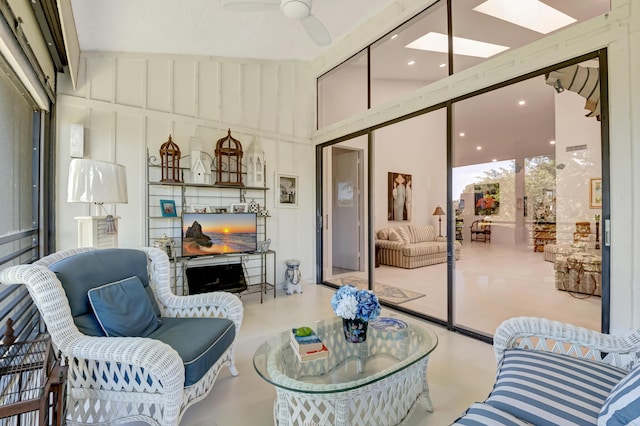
<point>531,14</point>
<point>437,42</point>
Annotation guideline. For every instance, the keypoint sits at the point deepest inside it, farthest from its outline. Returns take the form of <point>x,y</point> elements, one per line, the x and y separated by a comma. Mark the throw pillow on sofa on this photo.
<point>394,236</point>
<point>622,406</point>
<point>404,234</point>
<point>545,388</point>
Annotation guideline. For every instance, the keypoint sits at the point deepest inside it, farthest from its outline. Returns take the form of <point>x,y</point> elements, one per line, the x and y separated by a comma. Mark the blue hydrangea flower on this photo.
<point>349,302</point>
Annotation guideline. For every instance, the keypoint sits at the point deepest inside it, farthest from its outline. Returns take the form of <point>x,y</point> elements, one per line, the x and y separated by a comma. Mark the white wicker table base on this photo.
<point>386,402</point>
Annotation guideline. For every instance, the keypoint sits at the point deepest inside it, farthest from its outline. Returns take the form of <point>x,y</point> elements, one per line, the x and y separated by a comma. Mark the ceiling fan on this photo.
<point>299,10</point>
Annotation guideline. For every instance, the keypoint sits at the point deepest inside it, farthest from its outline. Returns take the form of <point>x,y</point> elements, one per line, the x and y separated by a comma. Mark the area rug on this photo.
<point>385,292</point>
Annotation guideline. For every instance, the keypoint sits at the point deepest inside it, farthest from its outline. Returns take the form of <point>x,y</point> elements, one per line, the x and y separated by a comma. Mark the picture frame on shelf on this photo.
<point>287,190</point>
<point>168,208</point>
<point>239,207</point>
<point>200,208</point>
<point>218,209</point>
<point>595,193</point>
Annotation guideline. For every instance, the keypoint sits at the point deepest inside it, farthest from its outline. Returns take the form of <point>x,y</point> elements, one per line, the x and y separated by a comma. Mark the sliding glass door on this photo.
<point>485,208</point>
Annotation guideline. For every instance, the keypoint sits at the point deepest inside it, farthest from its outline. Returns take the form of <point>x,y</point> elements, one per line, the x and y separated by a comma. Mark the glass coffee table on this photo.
<point>376,382</point>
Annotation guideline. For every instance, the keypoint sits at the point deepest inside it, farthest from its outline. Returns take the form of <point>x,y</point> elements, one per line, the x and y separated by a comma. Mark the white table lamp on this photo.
<point>97,182</point>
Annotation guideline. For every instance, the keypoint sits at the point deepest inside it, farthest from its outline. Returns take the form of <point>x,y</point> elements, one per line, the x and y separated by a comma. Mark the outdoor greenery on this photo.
<point>539,182</point>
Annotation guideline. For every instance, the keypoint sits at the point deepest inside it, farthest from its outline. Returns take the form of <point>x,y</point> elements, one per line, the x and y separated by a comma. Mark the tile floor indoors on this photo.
<point>494,282</point>
<point>460,370</point>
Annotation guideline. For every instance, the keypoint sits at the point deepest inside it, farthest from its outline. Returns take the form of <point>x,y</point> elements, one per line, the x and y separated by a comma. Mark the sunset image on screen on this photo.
<point>217,233</point>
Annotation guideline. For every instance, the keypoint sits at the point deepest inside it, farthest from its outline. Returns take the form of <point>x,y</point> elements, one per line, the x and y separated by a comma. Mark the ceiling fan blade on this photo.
<point>316,30</point>
<point>250,5</point>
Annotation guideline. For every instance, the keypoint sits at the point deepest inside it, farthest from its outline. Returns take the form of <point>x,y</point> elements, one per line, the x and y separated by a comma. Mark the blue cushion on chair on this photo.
<point>622,406</point>
<point>123,308</point>
<point>544,388</point>
<point>199,341</point>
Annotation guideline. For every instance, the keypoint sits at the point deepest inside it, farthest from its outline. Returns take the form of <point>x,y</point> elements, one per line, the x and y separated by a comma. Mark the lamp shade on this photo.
<point>99,182</point>
<point>438,211</point>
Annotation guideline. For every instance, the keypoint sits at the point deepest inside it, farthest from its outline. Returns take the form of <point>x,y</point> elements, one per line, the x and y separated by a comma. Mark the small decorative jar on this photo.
<point>355,330</point>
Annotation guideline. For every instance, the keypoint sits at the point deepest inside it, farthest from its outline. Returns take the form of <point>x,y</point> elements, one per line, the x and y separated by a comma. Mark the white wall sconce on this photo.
<point>100,183</point>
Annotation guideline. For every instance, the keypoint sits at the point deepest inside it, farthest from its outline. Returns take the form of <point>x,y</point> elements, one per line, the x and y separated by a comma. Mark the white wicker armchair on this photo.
<point>556,373</point>
<point>118,379</point>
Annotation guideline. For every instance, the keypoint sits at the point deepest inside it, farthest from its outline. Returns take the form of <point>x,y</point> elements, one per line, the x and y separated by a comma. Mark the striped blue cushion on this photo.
<point>551,389</point>
<point>480,414</point>
<point>622,406</point>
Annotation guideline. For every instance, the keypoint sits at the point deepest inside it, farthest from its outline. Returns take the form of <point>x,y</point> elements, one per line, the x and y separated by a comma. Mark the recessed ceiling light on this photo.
<point>437,42</point>
<point>461,134</point>
<point>443,65</point>
<point>531,14</point>
<point>552,142</point>
<point>494,160</point>
<point>479,148</point>
<point>521,103</point>
<point>411,62</point>
<point>394,36</point>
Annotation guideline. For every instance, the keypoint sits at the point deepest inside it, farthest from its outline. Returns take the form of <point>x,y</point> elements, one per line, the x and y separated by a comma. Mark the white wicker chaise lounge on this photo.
<point>112,380</point>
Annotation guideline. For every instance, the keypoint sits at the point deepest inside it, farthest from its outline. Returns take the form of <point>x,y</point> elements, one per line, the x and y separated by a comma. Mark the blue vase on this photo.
<point>355,330</point>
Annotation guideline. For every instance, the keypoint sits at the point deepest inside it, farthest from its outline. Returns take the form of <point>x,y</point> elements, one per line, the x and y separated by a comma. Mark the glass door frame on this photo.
<point>601,55</point>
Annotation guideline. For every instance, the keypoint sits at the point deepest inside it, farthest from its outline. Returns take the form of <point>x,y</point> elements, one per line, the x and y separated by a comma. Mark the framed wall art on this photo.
<point>287,192</point>
<point>239,207</point>
<point>168,208</point>
<point>399,196</point>
<point>486,199</point>
<point>595,193</point>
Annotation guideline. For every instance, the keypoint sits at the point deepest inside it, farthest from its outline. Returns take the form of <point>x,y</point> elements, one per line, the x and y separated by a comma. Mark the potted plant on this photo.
<point>356,308</point>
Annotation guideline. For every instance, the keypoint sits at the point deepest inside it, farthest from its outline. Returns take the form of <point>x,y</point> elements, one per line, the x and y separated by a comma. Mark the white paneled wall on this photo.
<point>128,103</point>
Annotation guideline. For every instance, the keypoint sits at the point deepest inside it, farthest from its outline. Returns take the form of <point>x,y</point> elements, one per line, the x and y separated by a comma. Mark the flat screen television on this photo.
<point>205,234</point>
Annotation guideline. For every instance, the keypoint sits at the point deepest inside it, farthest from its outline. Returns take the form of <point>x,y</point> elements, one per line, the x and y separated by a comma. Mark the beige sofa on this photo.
<point>412,246</point>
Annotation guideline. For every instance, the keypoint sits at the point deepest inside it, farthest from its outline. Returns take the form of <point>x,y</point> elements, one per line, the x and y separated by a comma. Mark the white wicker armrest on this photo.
<point>554,336</point>
<point>158,366</point>
<point>217,304</point>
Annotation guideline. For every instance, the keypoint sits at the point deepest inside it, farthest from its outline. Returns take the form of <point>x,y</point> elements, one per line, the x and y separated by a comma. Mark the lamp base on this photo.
<point>94,231</point>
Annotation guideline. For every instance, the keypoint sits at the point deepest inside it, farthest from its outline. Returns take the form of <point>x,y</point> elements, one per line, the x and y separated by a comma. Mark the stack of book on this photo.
<point>307,345</point>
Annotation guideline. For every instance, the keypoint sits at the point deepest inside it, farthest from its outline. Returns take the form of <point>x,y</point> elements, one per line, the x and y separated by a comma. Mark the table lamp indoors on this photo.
<point>439,212</point>
<point>97,182</point>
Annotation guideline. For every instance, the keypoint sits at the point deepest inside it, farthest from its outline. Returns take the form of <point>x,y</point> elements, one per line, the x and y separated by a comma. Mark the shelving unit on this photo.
<point>259,272</point>
<point>543,233</point>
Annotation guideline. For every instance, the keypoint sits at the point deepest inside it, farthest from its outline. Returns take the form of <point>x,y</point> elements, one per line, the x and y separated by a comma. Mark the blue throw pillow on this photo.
<point>622,406</point>
<point>123,308</point>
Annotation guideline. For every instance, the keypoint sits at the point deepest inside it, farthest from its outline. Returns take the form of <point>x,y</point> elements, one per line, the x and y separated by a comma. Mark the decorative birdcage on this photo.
<point>170,161</point>
<point>32,382</point>
<point>228,155</point>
